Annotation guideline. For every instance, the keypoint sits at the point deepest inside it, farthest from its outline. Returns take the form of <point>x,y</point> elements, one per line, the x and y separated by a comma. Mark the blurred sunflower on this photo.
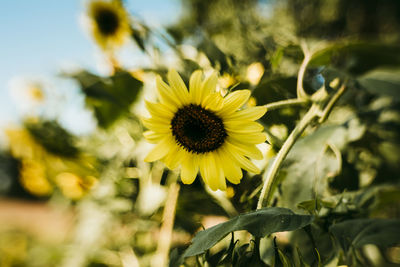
<point>201,130</point>
<point>109,23</point>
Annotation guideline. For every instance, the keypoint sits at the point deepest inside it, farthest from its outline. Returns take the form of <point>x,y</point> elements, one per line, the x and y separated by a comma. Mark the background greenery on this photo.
<point>91,200</point>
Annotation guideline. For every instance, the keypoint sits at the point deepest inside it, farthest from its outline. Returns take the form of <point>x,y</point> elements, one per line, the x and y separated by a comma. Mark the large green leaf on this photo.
<point>311,162</point>
<point>383,82</point>
<point>109,97</point>
<point>259,223</point>
<point>359,232</point>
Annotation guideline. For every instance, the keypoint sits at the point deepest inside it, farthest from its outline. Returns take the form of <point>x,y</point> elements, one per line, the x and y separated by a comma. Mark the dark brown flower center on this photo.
<point>198,130</point>
<point>107,21</point>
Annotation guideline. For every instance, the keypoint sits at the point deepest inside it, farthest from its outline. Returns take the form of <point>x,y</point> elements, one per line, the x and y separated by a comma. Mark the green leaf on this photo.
<point>382,82</point>
<point>311,163</point>
<point>357,58</point>
<point>53,138</point>
<point>259,223</point>
<point>359,232</point>
<point>109,97</point>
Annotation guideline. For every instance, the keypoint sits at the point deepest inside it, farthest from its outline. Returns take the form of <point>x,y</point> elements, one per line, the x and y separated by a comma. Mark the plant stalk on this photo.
<point>270,178</point>
<point>285,103</point>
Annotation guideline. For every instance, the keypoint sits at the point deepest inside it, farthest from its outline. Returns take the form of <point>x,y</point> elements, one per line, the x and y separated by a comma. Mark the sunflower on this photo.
<point>200,130</point>
<point>109,23</point>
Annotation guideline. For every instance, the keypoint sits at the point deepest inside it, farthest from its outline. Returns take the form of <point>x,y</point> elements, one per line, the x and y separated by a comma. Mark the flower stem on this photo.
<point>270,178</point>
<point>307,57</point>
<point>313,113</point>
<point>285,103</point>
<point>164,241</point>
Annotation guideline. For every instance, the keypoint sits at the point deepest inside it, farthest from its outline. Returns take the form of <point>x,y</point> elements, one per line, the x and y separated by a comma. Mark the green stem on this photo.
<point>270,177</point>
<point>285,103</point>
<point>332,102</point>
<point>307,57</point>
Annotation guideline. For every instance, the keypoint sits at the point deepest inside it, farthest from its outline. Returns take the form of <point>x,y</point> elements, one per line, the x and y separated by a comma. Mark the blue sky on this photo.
<point>39,37</point>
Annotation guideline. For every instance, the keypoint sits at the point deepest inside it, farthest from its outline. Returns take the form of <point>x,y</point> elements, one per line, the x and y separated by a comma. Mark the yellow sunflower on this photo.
<point>109,23</point>
<point>200,130</point>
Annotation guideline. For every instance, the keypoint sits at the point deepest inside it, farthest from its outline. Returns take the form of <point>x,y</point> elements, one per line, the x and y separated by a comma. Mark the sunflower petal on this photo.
<point>160,150</point>
<point>253,113</point>
<point>208,86</point>
<point>209,171</point>
<point>250,151</point>
<point>156,125</point>
<point>166,95</point>
<point>232,171</point>
<point>220,177</point>
<point>195,86</point>
<point>153,137</point>
<point>213,101</point>
<point>190,167</point>
<point>241,160</point>
<point>249,138</point>
<point>243,127</point>
<point>178,87</point>
<point>158,110</point>
<point>234,101</point>
<point>173,158</point>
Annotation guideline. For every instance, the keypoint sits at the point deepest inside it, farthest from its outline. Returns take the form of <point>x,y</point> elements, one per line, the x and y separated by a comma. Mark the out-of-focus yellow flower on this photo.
<point>203,131</point>
<point>109,23</point>
<point>226,80</point>
<point>252,102</point>
<point>22,145</point>
<point>72,185</point>
<point>254,73</point>
<point>33,178</point>
<point>41,170</point>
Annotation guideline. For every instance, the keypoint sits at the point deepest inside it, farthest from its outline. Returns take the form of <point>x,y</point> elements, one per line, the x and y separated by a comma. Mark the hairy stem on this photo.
<point>312,113</point>
<point>270,177</point>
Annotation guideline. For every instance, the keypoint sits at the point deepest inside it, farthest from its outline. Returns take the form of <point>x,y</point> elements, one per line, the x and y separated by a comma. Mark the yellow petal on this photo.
<point>231,170</point>
<point>159,110</point>
<point>203,167</point>
<point>178,87</point>
<point>160,150</point>
<point>250,151</point>
<point>242,161</point>
<point>234,101</point>
<point>153,137</point>
<point>155,125</point>
<point>190,167</point>
<point>253,113</point>
<point>195,86</point>
<point>249,138</point>
<point>208,86</point>
<point>166,95</point>
<point>209,171</point>
<point>213,101</point>
<point>219,175</point>
<point>174,157</point>
<point>243,127</point>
